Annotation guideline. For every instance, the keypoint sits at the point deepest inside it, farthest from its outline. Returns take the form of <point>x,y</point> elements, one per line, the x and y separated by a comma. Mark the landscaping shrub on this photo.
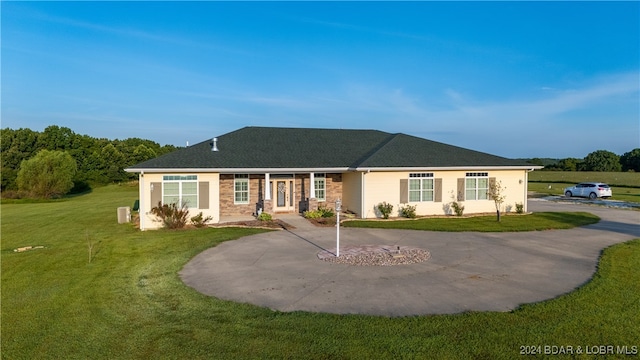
<point>312,214</point>
<point>171,216</point>
<point>519,208</point>
<point>198,220</point>
<point>265,217</point>
<point>13,194</point>
<point>385,209</point>
<point>325,212</point>
<point>408,211</point>
<point>322,212</point>
<point>457,208</point>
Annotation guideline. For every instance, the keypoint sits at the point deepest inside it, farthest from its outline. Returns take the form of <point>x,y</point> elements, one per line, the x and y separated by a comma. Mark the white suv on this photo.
<point>592,190</point>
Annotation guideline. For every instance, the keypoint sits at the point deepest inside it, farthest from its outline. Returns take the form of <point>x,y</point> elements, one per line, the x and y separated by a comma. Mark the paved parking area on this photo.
<point>466,272</point>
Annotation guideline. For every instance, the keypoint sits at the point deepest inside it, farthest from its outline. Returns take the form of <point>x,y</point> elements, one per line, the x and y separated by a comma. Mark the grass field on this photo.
<point>622,179</point>
<point>129,303</point>
<point>625,185</point>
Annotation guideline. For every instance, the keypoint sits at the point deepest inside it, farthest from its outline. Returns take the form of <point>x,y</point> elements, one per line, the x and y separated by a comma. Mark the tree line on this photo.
<point>600,160</point>
<point>98,161</point>
<point>57,160</point>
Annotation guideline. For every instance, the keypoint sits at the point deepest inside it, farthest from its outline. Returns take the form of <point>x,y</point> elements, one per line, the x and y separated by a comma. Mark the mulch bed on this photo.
<point>323,222</point>
<point>273,224</point>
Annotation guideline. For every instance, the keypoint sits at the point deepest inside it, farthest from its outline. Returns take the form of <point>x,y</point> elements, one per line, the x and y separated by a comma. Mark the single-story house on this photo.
<point>291,170</point>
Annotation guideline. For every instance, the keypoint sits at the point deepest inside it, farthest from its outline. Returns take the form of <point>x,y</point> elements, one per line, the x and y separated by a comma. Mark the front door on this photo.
<point>282,190</point>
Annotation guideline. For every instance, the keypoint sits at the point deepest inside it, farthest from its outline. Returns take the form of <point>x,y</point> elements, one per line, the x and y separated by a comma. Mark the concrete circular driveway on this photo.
<point>468,271</point>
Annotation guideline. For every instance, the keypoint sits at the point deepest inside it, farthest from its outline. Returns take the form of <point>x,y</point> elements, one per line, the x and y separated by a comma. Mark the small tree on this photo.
<point>602,160</point>
<point>48,174</point>
<point>569,164</point>
<point>496,193</point>
<point>631,160</point>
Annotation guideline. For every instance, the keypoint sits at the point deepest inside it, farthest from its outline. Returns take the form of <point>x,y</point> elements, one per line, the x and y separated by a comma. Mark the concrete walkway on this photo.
<point>467,271</point>
<point>296,220</point>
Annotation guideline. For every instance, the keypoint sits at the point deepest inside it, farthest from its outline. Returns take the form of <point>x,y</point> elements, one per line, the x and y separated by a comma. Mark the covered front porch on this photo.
<point>277,193</point>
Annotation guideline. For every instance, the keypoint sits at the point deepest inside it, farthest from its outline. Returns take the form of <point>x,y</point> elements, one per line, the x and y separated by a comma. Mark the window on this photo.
<point>320,185</point>
<point>477,186</point>
<point>420,187</point>
<point>180,189</point>
<point>241,189</point>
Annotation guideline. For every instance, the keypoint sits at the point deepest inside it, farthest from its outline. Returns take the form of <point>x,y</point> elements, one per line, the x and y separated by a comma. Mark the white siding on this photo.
<point>352,191</point>
<point>148,220</point>
<point>385,186</point>
<point>379,187</point>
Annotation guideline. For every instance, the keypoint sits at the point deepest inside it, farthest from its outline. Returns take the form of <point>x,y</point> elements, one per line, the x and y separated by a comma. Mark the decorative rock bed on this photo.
<point>376,255</point>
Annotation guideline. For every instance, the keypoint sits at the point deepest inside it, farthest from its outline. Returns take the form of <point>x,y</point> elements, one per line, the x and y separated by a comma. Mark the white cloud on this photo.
<point>518,123</point>
<point>536,125</point>
<point>138,33</point>
<point>453,95</point>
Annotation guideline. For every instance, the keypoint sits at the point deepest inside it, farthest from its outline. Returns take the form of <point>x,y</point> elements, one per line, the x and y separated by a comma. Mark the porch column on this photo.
<point>267,187</point>
<point>312,186</point>
<point>141,205</point>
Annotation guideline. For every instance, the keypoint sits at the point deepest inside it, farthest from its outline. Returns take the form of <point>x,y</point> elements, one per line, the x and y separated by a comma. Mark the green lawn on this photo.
<point>530,222</point>
<point>624,185</point>
<point>129,303</point>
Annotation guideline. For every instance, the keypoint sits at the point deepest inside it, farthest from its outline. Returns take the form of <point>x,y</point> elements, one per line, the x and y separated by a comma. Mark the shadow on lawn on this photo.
<point>575,219</point>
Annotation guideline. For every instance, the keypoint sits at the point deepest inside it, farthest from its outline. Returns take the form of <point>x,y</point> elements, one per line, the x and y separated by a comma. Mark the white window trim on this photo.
<point>245,179</point>
<point>476,176</point>
<point>420,177</point>
<point>181,179</point>
<point>323,178</point>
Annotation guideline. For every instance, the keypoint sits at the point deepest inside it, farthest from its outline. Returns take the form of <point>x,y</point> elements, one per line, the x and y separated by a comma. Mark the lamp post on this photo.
<point>338,209</point>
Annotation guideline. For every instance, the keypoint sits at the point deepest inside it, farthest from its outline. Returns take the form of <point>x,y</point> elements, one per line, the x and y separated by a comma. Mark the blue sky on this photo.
<point>533,79</point>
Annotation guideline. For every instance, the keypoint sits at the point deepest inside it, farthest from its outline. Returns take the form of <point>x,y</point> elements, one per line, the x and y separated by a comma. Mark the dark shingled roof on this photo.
<point>291,148</point>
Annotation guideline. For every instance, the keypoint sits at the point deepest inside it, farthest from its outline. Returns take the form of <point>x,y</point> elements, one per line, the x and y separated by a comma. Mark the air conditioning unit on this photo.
<point>124,214</point>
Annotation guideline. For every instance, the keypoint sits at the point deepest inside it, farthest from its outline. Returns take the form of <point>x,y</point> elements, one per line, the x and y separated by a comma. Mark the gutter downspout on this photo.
<point>526,190</point>
<point>362,200</point>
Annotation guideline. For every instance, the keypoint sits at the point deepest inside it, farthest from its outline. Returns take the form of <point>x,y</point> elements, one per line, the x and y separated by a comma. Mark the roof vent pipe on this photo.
<point>215,144</point>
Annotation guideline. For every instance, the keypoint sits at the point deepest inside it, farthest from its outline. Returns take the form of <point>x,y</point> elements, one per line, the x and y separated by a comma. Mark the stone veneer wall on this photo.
<point>227,206</point>
<point>302,192</point>
<point>256,194</point>
<point>333,191</point>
